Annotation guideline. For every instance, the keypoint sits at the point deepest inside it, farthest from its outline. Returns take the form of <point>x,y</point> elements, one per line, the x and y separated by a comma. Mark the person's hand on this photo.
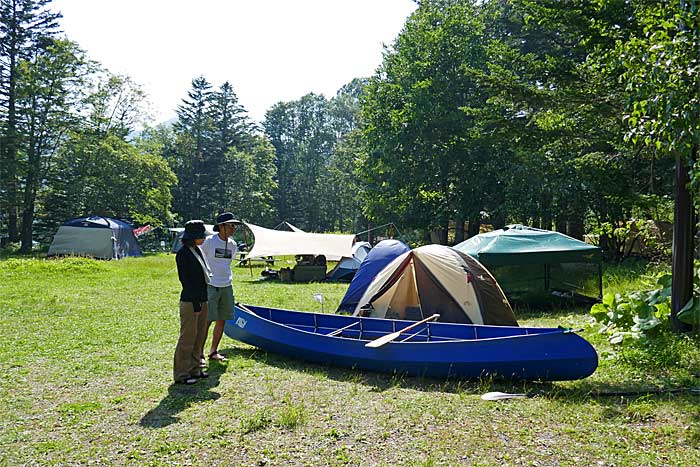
<point>197,307</point>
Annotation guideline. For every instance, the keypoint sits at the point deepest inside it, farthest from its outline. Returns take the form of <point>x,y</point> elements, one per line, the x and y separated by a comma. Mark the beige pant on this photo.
<point>193,334</point>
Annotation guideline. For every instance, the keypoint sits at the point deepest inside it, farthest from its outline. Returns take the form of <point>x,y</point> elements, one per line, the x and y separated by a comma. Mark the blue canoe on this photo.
<point>438,350</point>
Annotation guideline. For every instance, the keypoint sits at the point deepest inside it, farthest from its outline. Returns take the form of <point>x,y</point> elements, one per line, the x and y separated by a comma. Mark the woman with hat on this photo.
<point>220,250</point>
<point>194,274</point>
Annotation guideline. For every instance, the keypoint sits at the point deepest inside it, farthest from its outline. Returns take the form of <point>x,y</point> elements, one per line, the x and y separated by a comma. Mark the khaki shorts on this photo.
<point>220,303</point>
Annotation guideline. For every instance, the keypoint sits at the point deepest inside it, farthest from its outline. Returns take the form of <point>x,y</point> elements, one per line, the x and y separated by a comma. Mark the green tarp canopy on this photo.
<point>528,262</point>
<point>519,244</point>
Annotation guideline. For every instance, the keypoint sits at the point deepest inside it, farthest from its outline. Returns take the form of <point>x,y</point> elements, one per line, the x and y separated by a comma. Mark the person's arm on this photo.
<point>206,247</point>
<point>187,267</point>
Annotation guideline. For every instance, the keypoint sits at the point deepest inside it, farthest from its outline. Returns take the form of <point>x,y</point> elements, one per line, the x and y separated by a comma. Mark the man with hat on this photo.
<point>220,250</point>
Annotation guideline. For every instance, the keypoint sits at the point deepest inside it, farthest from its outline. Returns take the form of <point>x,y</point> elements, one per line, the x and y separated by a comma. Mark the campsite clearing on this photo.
<point>87,358</point>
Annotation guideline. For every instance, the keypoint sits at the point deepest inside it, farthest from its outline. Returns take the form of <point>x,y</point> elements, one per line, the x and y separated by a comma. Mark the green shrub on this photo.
<point>644,313</point>
<point>637,314</point>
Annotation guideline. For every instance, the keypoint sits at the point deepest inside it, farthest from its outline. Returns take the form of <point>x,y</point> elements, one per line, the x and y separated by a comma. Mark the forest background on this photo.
<point>560,115</point>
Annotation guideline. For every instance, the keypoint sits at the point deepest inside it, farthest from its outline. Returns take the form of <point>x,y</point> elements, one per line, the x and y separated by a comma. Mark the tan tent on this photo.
<point>437,279</point>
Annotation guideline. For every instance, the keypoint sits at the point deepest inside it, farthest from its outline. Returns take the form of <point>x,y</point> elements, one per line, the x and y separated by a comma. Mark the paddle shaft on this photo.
<point>390,337</point>
<point>244,308</point>
<point>340,331</point>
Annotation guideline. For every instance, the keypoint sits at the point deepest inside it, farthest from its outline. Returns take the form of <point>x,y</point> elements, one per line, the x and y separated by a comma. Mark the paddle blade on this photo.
<point>497,396</point>
<point>383,340</point>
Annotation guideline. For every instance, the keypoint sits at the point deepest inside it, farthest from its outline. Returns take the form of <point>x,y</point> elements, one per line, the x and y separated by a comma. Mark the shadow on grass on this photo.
<point>581,391</point>
<point>380,382</point>
<point>181,396</point>
<point>550,310</point>
<point>262,281</point>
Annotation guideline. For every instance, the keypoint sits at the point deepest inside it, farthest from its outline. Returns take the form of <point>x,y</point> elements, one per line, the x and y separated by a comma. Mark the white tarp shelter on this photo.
<point>270,242</point>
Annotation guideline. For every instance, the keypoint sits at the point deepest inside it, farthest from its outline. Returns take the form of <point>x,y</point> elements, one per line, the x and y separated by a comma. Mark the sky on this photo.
<point>269,50</point>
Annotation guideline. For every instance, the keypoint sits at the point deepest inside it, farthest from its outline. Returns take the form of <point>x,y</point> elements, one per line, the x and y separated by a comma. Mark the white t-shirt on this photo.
<point>219,254</point>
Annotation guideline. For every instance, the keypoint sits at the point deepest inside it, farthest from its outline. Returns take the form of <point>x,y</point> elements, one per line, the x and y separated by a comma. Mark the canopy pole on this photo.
<point>245,239</point>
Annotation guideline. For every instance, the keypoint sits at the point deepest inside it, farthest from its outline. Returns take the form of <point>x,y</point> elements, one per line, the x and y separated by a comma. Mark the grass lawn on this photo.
<point>86,351</point>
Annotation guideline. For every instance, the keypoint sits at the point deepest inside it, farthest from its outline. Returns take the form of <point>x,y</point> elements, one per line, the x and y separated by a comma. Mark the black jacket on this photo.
<point>189,271</point>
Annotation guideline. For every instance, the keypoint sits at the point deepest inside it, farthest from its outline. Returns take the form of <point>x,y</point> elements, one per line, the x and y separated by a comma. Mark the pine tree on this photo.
<point>23,25</point>
<point>193,130</point>
<point>231,131</point>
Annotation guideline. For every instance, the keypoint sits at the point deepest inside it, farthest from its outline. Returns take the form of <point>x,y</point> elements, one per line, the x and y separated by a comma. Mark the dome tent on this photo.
<point>347,267</point>
<point>436,279</point>
<point>532,263</point>
<point>378,257</point>
<point>96,236</point>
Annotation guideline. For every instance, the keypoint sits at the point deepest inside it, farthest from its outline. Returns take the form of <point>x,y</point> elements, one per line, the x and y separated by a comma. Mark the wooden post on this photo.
<point>682,269</point>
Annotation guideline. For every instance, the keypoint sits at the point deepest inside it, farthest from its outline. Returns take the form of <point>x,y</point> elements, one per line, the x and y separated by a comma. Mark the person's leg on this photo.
<point>214,296</point>
<point>215,339</point>
<point>182,362</point>
<point>224,312</point>
<point>202,325</point>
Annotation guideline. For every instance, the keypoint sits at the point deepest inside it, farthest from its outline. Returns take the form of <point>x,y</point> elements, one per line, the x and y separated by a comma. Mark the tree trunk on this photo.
<point>560,223</point>
<point>10,161</point>
<point>682,272</point>
<point>575,228</point>
<point>474,225</point>
<point>439,235</point>
<point>459,230</point>
<point>27,224</point>
<point>29,201</point>
<point>546,215</point>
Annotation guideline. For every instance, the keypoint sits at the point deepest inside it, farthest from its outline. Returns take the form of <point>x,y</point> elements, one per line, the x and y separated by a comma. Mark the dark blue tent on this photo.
<point>378,257</point>
<point>347,267</point>
<point>96,236</point>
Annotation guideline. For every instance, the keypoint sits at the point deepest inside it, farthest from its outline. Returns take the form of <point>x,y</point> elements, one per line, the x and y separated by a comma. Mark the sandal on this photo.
<point>187,381</point>
<point>202,374</point>
<point>217,356</point>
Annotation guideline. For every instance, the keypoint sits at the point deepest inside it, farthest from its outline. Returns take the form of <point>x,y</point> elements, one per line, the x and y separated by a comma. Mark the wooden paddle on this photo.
<point>340,331</point>
<point>499,396</point>
<point>390,337</point>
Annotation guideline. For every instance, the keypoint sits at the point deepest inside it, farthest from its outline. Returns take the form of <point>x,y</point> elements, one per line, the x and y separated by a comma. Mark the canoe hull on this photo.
<point>515,353</point>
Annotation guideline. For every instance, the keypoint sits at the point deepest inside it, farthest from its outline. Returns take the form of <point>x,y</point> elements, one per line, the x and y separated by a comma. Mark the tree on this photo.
<point>193,129</point>
<point>250,181</point>
<point>662,73</point>
<point>49,89</point>
<point>423,166</point>
<point>303,138</point>
<point>231,131</point>
<point>107,176</point>
<point>24,24</point>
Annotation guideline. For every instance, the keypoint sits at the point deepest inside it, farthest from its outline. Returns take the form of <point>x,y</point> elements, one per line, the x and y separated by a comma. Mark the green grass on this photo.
<point>86,353</point>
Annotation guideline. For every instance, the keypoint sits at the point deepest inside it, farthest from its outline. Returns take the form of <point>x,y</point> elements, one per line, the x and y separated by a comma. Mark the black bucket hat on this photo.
<point>225,218</point>
<point>194,230</point>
